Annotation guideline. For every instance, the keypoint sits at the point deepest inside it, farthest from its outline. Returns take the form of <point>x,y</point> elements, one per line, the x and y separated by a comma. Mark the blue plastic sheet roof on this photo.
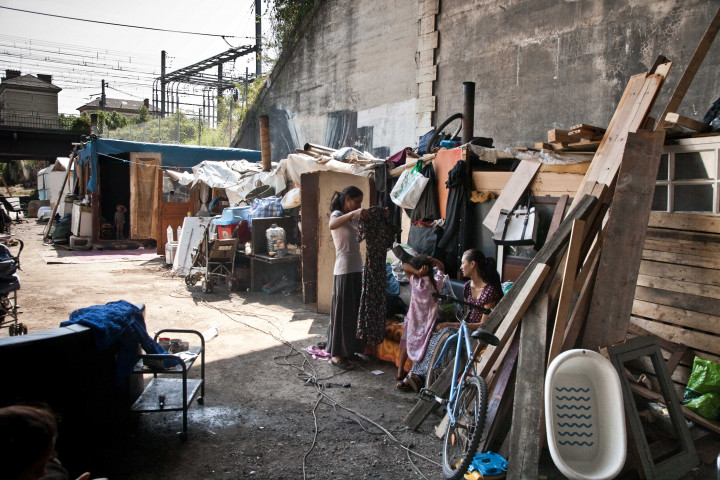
<point>181,156</point>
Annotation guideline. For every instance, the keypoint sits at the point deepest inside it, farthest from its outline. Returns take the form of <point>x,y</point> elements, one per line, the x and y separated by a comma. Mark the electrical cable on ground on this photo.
<point>322,395</point>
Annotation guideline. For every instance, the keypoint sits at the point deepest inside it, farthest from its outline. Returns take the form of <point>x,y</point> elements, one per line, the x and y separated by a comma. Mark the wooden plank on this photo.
<point>679,286</point>
<point>699,249</point>
<point>620,258</point>
<point>490,181</point>
<point>546,255</point>
<point>583,126</point>
<point>514,189</point>
<point>675,119</point>
<point>511,320</point>
<point>681,259</point>
<point>691,338</point>
<point>581,307</point>
<point>684,273</point>
<point>692,68</point>
<point>572,259</point>
<point>553,183</point>
<point>685,301</point>
<point>682,236</point>
<point>685,221</point>
<point>558,215</point>
<point>711,425</point>
<point>502,384</point>
<point>613,134</point>
<point>527,418</point>
<point>557,135</point>
<point>677,316</point>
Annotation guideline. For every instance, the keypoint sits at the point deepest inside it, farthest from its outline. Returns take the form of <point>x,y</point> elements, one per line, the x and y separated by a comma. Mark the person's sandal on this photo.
<point>412,383</point>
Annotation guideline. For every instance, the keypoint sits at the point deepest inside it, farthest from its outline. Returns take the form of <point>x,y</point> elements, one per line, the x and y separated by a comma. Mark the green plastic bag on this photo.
<point>702,393</point>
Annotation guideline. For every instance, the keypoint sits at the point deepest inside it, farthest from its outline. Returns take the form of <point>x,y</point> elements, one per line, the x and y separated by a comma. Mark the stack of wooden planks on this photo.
<point>559,290</point>
<point>677,297</point>
<point>580,138</point>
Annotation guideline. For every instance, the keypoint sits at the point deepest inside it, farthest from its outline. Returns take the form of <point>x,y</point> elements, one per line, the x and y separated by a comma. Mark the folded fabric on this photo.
<point>120,324</point>
<point>317,352</point>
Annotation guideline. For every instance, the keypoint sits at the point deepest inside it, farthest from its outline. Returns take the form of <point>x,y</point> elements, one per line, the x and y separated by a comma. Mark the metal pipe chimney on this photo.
<point>468,122</point>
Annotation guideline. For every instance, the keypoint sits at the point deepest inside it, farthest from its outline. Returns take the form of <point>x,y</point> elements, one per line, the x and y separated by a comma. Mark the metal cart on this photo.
<point>165,393</point>
<point>9,285</point>
<point>213,261</point>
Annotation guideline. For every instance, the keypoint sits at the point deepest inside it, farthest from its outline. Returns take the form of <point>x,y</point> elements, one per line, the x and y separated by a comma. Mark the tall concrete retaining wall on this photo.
<point>361,76</point>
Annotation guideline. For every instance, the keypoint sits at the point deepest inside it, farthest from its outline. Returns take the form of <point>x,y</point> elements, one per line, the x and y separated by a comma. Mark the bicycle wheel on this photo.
<point>462,439</point>
<point>434,373</point>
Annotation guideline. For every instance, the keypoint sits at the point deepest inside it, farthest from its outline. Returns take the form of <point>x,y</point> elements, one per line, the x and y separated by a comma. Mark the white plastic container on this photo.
<point>170,238</point>
<point>170,250</point>
<point>276,241</point>
<point>179,232</point>
<point>584,416</point>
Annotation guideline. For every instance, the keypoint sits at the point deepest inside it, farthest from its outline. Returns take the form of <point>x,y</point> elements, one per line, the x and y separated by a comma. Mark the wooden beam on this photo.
<point>566,291</point>
<point>527,418</point>
<point>581,307</point>
<point>620,258</point>
<point>558,215</point>
<point>685,221</point>
<point>711,425</point>
<point>512,192</point>
<point>675,119</point>
<point>691,69</point>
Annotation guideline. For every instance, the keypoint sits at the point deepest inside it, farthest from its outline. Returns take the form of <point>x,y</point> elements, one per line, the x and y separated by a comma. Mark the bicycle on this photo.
<point>466,403</point>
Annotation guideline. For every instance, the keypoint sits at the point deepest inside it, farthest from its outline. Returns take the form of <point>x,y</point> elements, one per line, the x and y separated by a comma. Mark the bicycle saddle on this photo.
<point>485,337</point>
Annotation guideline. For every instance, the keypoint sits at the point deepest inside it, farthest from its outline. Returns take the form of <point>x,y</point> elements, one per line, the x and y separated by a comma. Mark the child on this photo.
<point>422,313</point>
<point>119,221</point>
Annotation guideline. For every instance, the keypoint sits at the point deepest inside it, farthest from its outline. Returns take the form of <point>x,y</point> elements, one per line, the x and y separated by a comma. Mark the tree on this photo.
<point>81,125</point>
<point>143,115</point>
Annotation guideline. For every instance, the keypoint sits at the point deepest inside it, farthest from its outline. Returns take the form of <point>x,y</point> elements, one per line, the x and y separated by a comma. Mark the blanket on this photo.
<point>120,324</point>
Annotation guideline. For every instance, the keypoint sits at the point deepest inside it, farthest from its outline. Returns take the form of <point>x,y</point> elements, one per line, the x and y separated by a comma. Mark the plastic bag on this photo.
<point>409,187</point>
<point>702,393</point>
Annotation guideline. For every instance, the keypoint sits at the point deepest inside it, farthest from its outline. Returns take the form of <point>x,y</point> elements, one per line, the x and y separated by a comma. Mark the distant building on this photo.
<point>129,108</point>
<point>28,101</point>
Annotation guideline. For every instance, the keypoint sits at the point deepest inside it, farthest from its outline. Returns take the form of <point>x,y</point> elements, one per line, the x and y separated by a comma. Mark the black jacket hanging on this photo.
<point>456,238</point>
<point>427,206</point>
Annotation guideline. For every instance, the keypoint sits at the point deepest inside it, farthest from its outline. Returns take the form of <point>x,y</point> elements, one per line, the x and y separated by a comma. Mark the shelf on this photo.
<point>141,368</point>
<point>148,401</point>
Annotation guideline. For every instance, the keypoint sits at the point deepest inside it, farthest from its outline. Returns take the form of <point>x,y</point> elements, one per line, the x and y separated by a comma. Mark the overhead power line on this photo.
<point>122,24</point>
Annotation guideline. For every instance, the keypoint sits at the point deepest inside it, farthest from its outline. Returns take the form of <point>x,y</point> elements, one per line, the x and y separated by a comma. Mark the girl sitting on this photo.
<point>483,289</point>
<point>422,312</point>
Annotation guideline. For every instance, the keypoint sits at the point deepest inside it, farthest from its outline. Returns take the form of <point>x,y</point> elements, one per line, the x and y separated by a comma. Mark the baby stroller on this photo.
<point>9,285</point>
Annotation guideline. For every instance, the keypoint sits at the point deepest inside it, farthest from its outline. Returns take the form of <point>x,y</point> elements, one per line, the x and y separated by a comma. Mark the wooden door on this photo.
<point>144,168</point>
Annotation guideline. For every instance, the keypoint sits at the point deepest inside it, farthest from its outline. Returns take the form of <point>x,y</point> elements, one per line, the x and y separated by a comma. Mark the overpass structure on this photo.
<point>34,141</point>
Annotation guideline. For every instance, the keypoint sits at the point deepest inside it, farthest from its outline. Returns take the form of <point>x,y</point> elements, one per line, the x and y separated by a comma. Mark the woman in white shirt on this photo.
<point>347,277</point>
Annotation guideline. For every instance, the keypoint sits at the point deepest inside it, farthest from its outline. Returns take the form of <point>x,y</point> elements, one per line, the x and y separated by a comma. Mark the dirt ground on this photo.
<point>259,420</point>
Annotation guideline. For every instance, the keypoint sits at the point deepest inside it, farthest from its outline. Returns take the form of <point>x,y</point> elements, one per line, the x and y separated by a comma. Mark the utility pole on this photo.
<point>258,40</point>
<point>162,83</point>
<point>102,95</point>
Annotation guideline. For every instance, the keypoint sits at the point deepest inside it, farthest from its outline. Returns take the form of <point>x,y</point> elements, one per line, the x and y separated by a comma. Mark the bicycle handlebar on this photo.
<point>462,302</point>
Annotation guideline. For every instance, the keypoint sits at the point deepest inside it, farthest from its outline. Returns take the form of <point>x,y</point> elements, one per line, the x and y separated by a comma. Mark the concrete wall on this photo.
<point>537,64</point>
<point>542,64</point>
<point>349,81</point>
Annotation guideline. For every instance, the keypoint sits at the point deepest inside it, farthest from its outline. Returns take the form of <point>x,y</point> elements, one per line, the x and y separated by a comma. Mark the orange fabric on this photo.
<point>389,349</point>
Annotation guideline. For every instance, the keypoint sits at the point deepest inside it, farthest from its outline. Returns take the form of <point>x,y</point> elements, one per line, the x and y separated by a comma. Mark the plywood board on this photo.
<point>443,163</point>
<point>704,276</point>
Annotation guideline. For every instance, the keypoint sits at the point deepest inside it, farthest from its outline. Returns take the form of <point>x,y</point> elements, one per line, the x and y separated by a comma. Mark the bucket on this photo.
<point>227,231</point>
<point>170,250</point>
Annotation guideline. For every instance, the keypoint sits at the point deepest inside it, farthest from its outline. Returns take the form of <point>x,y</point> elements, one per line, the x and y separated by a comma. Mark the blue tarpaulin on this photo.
<point>181,156</point>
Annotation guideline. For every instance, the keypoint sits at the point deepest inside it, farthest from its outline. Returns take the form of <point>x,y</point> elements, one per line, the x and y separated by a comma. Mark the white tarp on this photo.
<point>237,177</point>
<point>297,163</point>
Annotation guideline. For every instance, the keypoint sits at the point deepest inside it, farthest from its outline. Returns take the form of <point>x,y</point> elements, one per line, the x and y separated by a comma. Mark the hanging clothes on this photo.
<point>456,237</point>
<point>427,206</point>
<point>378,234</point>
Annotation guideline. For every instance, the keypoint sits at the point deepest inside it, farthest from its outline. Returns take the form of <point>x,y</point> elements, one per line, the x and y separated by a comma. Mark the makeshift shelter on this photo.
<point>50,180</point>
<point>116,172</point>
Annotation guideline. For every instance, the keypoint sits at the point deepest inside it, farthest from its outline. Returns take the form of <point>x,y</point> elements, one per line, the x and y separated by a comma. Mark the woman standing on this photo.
<point>347,277</point>
<point>483,289</point>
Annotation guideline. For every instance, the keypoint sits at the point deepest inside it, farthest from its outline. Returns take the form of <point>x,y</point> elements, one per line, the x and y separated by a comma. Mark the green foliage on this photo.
<point>115,120</point>
<point>81,125</point>
<point>285,16</point>
<point>144,116</point>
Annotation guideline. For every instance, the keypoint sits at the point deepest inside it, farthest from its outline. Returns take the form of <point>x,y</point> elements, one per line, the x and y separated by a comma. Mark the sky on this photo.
<point>79,55</point>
